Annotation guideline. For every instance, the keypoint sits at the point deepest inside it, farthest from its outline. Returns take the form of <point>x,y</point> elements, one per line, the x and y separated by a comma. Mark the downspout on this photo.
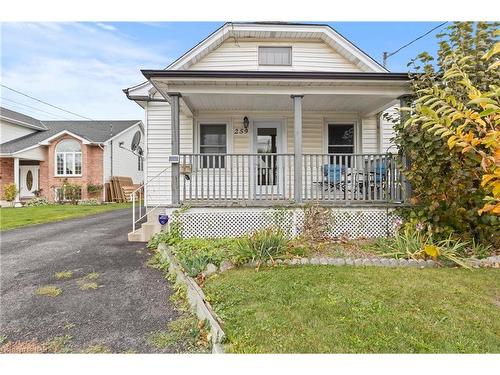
<point>103,179</point>
<point>111,158</point>
<point>379,133</point>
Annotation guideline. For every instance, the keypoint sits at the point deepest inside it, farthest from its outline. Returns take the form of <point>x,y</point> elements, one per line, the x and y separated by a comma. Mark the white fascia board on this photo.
<point>137,124</point>
<point>21,123</point>
<point>47,141</point>
<point>394,90</point>
<point>20,151</point>
<point>216,37</point>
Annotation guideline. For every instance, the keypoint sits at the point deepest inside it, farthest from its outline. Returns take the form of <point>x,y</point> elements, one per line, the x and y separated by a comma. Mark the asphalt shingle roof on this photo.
<point>93,131</point>
<point>19,117</point>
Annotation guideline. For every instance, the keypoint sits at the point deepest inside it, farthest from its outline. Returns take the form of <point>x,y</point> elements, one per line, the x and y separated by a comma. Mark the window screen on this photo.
<point>275,55</point>
<point>340,141</point>
<point>340,138</point>
<point>213,141</point>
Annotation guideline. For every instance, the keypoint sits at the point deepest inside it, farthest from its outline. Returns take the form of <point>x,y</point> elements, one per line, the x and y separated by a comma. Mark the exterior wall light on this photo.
<point>245,122</point>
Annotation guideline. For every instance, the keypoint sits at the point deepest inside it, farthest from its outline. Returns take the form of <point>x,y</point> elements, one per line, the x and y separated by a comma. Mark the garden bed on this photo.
<point>317,309</point>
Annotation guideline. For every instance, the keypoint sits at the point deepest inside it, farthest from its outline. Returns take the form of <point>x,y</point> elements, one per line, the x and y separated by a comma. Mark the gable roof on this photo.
<point>92,131</point>
<point>21,119</point>
<point>275,30</point>
<point>278,30</point>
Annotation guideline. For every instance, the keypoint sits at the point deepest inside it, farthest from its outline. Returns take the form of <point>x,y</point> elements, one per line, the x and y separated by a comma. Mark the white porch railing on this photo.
<point>227,179</point>
<point>153,187</point>
<point>268,179</point>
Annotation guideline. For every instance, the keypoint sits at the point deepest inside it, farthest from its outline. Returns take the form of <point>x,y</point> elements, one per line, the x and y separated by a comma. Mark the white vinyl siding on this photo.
<point>10,131</point>
<point>314,55</point>
<point>387,131</point>
<point>275,56</point>
<point>159,144</point>
<point>369,137</point>
<point>125,163</point>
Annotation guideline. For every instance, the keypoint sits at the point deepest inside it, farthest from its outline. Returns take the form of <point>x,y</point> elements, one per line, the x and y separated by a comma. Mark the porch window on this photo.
<point>68,158</point>
<point>213,141</point>
<point>340,141</point>
<point>275,56</point>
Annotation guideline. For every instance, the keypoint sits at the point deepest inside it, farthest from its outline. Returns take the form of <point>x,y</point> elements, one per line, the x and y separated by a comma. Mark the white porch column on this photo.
<point>175,133</point>
<point>297,147</point>
<point>16,179</point>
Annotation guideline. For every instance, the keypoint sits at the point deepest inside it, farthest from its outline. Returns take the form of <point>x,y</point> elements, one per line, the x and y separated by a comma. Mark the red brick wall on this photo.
<point>92,172</point>
<point>6,173</point>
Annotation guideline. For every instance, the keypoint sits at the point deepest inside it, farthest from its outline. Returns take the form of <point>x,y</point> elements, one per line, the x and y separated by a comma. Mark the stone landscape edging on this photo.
<point>196,298</point>
<point>493,261</point>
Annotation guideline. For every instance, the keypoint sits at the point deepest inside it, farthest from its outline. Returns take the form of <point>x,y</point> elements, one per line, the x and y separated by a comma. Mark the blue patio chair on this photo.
<point>334,175</point>
<point>380,171</point>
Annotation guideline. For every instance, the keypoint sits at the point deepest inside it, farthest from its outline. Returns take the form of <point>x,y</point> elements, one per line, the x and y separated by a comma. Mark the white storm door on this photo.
<point>28,183</point>
<point>267,165</point>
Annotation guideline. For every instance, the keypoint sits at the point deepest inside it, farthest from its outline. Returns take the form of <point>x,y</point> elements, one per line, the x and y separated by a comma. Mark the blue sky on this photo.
<point>83,67</point>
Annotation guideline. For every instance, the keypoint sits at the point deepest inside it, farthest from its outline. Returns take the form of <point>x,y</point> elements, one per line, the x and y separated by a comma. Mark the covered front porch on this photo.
<point>276,138</point>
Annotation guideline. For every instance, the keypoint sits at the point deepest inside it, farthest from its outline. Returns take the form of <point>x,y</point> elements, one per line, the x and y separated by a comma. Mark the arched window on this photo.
<point>68,158</point>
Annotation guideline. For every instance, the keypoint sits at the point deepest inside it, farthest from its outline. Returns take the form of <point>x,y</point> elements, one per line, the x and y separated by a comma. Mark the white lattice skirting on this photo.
<point>228,222</point>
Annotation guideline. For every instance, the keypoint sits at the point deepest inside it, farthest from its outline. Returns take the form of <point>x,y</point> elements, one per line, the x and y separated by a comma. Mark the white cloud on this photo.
<point>78,66</point>
<point>106,26</point>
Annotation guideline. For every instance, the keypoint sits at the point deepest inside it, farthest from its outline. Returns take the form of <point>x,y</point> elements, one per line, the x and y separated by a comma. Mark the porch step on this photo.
<point>145,232</point>
<point>136,236</point>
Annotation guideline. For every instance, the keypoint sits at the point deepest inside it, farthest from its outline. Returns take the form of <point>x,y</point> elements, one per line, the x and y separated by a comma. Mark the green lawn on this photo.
<point>324,309</point>
<point>11,218</point>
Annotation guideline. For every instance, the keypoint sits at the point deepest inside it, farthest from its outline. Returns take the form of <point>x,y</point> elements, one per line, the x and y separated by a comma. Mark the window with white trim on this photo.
<point>275,56</point>
<point>341,141</point>
<point>68,158</point>
<point>213,140</point>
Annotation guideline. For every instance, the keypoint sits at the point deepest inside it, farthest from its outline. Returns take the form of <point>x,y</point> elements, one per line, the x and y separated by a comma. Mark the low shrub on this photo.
<point>170,237</point>
<point>9,192</point>
<point>94,188</point>
<point>262,245</point>
<point>414,244</point>
<point>89,202</point>
<point>195,253</point>
<point>36,202</point>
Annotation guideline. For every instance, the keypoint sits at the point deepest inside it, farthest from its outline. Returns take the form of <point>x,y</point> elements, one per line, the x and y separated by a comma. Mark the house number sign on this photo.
<point>240,131</point>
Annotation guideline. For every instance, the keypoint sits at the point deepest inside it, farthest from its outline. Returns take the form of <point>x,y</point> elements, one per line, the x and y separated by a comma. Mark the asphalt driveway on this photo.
<point>131,301</point>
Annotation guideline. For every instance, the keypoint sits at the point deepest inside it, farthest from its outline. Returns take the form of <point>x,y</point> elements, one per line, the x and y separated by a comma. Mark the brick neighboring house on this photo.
<point>38,156</point>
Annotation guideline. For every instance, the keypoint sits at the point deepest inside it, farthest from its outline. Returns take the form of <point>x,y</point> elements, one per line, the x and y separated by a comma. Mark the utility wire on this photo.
<point>387,54</point>
<point>35,108</point>
<point>41,101</point>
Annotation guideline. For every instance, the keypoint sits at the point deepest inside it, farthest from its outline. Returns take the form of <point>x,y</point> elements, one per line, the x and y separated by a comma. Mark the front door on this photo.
<point>267,166</point>
<point>28,184</point>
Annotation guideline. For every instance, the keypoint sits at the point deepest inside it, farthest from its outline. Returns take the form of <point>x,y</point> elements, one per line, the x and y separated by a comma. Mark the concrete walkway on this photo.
<point>132,300</point>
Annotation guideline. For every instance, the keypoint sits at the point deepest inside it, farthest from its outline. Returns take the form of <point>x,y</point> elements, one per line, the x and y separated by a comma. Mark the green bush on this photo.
<point>446,185</point>
<point>36,202</point>
<point>172,236</point>
<point>195,253</point>
<point>89,202</point>
<point>9,192</point>
<point>414,244</point>
<point>263,245</point>
<point>93,188</point>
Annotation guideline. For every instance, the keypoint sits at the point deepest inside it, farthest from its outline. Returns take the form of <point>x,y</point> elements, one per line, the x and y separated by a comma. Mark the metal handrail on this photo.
<point>133,196</point>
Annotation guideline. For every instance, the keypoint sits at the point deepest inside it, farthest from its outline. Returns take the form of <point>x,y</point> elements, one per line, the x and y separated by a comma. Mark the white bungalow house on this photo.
<point>263,115</point>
